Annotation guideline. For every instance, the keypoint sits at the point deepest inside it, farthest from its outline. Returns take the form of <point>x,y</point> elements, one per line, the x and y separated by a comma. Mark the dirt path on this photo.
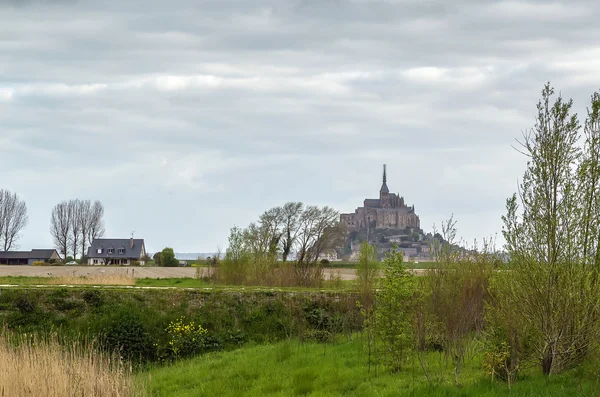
<point>137,272</point>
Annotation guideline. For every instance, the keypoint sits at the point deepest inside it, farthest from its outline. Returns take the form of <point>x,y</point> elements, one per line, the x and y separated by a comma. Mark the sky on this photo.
<point>185,118</point>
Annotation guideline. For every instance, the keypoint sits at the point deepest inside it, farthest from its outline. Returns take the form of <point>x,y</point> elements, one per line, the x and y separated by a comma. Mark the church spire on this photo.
<point>384,189</point>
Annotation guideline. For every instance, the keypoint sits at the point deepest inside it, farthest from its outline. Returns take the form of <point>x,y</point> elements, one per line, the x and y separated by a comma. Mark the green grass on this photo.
<point>294,369</point>
<point>185,282</point>
<point>23,280</point>
<point>198,283</point>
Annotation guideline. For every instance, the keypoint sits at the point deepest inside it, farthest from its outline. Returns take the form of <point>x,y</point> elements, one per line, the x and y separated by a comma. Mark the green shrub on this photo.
<point>185,339</point>
<point>25,304</point>
<point>92,297</point>
<point>126,333</point>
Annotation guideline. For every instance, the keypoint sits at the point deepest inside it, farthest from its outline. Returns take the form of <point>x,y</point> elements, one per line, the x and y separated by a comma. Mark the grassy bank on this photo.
<point>312,369</point>
<point>137,321</point>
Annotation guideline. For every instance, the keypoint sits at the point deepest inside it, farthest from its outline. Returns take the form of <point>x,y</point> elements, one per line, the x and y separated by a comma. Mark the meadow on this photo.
<point>292,368</point>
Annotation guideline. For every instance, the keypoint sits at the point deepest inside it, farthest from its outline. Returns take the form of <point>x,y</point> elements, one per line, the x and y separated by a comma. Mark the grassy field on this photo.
<point>294,369</point>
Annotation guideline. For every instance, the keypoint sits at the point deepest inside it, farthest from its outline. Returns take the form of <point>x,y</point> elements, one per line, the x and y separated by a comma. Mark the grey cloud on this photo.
<point>203,114</point>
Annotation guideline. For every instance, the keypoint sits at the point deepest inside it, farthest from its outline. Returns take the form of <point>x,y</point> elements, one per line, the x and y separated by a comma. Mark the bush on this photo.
<point>125,332</point>
<point>38,263</point>
<point>92,297</point>
<point>185,339</point>
<point>167,258</point>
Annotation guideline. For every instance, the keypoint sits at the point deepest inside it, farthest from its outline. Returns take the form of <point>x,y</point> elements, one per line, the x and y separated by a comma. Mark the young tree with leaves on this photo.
<point>549,228</point>
<point>393,315</point>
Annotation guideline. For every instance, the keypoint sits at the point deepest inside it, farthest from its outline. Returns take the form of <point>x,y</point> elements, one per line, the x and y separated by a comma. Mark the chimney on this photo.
<point>131,243</point>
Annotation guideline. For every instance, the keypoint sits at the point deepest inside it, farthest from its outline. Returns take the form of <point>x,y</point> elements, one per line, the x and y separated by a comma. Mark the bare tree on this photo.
<point>314,237</point>
<point>85,218</point>
<point>291,226</point>
<point>75,209</point>
<point>75,223</point>
<point>96,225</point>
<point>60,227</point>
<point>13,218</point>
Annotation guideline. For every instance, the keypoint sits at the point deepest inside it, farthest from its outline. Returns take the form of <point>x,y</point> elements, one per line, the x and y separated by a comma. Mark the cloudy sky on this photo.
<point>188,117</point>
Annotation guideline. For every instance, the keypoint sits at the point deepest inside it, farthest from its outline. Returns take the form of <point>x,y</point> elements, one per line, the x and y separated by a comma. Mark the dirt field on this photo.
<point>137,272</point>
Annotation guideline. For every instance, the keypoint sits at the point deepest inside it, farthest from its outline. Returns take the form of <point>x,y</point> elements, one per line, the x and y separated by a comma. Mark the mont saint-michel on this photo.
<point>385,221</point>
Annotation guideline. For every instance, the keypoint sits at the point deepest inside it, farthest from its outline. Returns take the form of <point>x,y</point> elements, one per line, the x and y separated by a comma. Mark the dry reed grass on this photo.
<point>265,273</point>
<point>34,366</point>
<point>96,279</point>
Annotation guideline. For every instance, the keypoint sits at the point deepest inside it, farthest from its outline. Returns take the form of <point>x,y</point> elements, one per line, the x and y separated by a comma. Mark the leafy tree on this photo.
<point>393,317</point>
<point>234,267</point>
<point>156,258</point>
<point>550,233</point>
<point>366,278</point>
<point>367,272</point>
<point>167,258</point>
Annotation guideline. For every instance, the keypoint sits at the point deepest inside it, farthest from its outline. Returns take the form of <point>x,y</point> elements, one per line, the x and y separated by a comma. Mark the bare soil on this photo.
<point>137,272</point>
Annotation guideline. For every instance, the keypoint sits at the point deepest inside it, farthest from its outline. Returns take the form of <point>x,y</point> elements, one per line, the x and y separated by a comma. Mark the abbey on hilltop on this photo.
<point>385,222</point>
<point>386,212</point>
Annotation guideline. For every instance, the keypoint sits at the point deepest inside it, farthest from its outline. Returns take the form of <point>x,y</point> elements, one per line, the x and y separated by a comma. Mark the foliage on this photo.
<point>156,258</point>
<point>552,241</point>
<point>392,321</point>
<point>457,291</point>
<point>234,267</point>
<point>136,323</point>
<point>367,273</point>
<point>126,333</point>
<point>167,258</point>
<point>185,339</point>
<point>307,230</point>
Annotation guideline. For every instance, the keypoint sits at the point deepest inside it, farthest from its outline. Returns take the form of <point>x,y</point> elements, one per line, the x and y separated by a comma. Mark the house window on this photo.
<point>95,261</point>
<point>99,251</point>
<point>121,251</point>
<point>111,251</point>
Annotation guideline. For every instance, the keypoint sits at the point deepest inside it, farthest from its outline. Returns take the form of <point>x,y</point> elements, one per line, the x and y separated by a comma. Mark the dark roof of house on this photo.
<point>116,244</point>
<point>33,254</point>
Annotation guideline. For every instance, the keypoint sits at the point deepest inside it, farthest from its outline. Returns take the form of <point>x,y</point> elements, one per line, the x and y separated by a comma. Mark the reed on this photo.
<point>41,366</point>
<point>96,279</point>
